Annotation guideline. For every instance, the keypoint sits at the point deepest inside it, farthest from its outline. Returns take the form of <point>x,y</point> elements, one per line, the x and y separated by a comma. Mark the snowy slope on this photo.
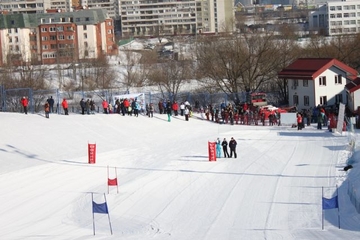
<point>167,187</point>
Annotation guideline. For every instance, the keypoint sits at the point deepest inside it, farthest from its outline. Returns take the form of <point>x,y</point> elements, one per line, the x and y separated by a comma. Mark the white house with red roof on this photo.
<point>317,81</point>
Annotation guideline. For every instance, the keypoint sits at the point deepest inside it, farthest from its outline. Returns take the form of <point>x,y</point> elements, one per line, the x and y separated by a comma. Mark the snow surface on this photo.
<point>167,187</point>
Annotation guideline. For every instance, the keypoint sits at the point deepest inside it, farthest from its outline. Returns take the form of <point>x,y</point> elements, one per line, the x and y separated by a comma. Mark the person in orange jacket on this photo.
<point>65,106</point>
<point>105,106</point>
<point>24,103</point>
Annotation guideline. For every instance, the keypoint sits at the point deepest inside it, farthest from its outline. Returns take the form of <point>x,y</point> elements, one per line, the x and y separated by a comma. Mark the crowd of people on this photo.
<point>224,114</point>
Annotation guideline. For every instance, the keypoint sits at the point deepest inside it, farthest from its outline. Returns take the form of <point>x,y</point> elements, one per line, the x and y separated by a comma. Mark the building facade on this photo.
<point>52,38</point>
<point>172,17</point>
<point>34,6</point>
<point>335,18</point>
<point>317,81</point>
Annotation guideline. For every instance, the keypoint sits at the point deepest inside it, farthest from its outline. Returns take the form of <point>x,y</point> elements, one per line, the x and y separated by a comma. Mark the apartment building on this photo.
<point>172,17</point>
<point>335,18</point>
<point>35,6</point>
<point>25,6</point>
<point>111,6</point>
<point>57,37</point>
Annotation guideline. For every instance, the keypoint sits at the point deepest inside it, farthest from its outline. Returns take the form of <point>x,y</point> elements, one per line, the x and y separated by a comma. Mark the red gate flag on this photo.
<point>112,182</point>
<point>212,151</point>
<point>92,153</point>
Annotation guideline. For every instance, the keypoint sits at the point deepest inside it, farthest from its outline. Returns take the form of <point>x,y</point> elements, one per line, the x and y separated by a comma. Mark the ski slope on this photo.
<point>167,187</point>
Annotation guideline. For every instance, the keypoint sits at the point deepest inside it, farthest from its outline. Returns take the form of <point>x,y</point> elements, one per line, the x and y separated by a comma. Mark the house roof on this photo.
<point>353,85</point>
<point>311,68</point>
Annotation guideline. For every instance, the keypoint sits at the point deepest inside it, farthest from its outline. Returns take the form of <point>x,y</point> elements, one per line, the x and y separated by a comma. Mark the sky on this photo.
<point>167,187</point>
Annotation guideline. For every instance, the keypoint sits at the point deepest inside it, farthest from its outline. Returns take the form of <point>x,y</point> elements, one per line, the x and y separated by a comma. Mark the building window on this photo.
<point>52,29</point>
<point>45,38</point>
<point>323,100</point>
<point>306,101</point>
<point>53,46</point>
<point>85,35</point>
<point>322,81</point>
<point>45,47</point>
<point>53,37</point>
<point>61,37</point>
<point>338,98</point>
<point>60,29</point>
<point>296,100</point>
<point>305,83</point>
<point>338,79</point>
<point>87,19</point>
<point>84,27</point>
<point>43,29</point>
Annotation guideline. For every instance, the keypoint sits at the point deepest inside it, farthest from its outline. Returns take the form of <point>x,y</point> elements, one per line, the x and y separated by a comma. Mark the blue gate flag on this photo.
<point>100,208</point>
<point>330,203</point>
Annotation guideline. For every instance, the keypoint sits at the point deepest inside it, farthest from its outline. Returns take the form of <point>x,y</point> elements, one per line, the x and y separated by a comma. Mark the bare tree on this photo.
<point>238,63</point>
<point>171,75</point>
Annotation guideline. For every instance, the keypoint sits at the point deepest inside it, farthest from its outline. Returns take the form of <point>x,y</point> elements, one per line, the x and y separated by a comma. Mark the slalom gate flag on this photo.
<point>100,208</point>
<point>330,203</point>
<point>112,182</point>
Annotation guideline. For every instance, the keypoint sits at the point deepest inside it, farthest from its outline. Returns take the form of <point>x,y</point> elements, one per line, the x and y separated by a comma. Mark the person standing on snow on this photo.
<point>83,106</point>
<point>24,103</point>
<point>232,145</point>
<point>224,145</point>
<point>105,106</point>
<point>218,148</point>
<point>47,109</point>
<point>51,101</point>
<point>187,113</point>
<point>168,110</point>
<point>65,106</point>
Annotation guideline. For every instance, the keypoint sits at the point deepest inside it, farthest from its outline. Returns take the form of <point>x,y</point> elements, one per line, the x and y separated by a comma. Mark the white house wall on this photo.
<point>91,40</point>
<point>356,99</point>
<point>301,91</point>
<point>331,89</point>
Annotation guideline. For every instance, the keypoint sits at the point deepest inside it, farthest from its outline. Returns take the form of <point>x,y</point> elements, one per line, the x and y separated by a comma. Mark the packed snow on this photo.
<point>167,187</point>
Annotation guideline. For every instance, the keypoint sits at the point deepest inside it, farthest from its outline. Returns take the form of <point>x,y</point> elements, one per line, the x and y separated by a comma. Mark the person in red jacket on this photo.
<point>105,106</point>
<point>65,106</point>
<point>24,103</point>
<point>299,121</point>
<point>175,108</point>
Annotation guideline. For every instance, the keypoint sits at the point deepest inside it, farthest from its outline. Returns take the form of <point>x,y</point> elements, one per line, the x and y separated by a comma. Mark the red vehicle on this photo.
<point>258,99</point>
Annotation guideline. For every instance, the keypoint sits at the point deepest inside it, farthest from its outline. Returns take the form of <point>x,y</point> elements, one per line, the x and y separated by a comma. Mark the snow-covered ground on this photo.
<point>167,187</point>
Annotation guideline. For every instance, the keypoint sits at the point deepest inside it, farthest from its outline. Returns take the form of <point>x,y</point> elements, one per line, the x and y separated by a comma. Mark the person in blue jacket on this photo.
<point>218,148</point>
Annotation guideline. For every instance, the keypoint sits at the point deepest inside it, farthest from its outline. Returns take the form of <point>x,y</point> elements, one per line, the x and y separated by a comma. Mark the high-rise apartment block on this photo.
<point>56,37</point>
<point>173,17</point>
<point>335,18</point>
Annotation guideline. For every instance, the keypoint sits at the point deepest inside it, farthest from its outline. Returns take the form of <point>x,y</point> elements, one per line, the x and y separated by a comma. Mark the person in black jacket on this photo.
<point>232,145</point>
<point>83,106</point>
<point>224,145</point>
<point>51,101</point>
